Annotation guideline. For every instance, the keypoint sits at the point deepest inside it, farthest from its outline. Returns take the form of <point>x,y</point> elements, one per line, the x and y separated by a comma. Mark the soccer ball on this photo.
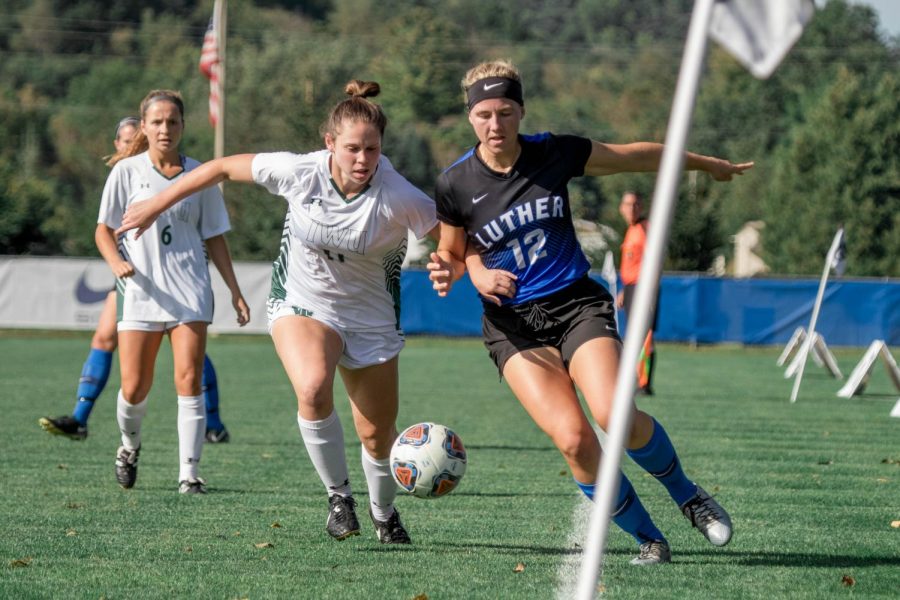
<point>428,460</point>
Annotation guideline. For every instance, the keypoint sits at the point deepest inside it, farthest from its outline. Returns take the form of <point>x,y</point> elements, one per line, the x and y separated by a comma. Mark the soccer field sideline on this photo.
<point>809,487</point>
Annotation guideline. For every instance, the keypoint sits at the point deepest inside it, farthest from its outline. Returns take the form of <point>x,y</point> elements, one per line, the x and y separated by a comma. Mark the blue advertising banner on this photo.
<point>702,310</point>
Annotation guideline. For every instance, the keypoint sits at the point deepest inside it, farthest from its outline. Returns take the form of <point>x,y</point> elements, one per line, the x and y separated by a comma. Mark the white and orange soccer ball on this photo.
<point>428,460</point>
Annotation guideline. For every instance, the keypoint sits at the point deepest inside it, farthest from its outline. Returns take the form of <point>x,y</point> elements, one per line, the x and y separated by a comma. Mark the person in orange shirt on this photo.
<point>631,208</point>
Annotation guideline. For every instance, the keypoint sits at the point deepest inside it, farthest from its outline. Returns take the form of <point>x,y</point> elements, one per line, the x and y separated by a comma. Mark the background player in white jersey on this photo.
<point>163,283</point>
<point>547,325</point>
<point>335,291</point>
<point>96,368</point>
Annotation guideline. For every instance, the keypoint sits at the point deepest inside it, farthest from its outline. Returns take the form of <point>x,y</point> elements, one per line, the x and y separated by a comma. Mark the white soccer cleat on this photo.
<point>709,517</point>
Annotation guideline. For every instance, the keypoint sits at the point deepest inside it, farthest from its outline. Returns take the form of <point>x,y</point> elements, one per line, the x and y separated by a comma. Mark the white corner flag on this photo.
<point>748,20</point>
<point>811,334</point>
<point>839,265</point>
<point>758,33</point>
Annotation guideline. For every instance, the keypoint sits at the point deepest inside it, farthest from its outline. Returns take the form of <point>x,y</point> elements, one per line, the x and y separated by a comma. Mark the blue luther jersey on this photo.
<point>521,221</point>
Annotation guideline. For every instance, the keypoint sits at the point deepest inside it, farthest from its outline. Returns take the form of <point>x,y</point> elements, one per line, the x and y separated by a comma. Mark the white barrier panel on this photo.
<point>860,375</point>
<point>820,352</point>
<point>68,293</point>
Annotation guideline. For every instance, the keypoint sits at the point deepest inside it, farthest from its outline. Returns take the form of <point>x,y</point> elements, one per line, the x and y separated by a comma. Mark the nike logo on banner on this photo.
<point>492,86</point>
<point>86,295</point>
<point>478,199</point>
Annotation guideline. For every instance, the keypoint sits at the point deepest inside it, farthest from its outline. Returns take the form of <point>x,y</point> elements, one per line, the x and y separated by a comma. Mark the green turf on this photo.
<point>812,487</point>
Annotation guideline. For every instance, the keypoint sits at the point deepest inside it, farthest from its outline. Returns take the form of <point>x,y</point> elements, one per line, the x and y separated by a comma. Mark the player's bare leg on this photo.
<point>309,352</point>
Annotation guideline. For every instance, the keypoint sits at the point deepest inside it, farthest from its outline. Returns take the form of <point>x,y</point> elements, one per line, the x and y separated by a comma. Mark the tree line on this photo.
<point>824,130</point>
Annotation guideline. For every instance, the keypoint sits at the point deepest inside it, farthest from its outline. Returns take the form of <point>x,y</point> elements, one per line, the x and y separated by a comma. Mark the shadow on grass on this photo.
<point>548,448</point>
<point>514,549</point>
<point>786,559</point>
<point>748,559</point>
<point>561,494</point>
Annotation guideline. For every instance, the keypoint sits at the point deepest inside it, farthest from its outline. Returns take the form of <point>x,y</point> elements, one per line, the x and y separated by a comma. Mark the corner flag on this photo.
<point>758,33</point>
<point>839,265</point>
<point>763,51</point>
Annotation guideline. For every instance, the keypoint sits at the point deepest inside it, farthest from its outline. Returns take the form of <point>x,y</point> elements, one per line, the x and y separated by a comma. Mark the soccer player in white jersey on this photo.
<point>547,325</point>
<point>335,294</point>
<point>163,283</point>
<point>97,366</point>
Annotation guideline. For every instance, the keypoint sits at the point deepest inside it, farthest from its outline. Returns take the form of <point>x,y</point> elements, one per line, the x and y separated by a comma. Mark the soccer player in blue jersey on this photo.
<point>97,366</point>
<point>547,325</point>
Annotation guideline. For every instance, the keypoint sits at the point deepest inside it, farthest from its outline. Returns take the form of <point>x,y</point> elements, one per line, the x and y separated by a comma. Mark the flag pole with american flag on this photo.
<point>212,65</point>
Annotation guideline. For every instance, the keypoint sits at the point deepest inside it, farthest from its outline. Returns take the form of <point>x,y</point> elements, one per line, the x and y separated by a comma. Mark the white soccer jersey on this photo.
<point>340,259</point>
<point>171,280</point>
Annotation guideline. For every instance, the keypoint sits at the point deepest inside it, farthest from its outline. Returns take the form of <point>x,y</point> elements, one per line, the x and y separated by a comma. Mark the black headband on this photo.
<point>494,87</point>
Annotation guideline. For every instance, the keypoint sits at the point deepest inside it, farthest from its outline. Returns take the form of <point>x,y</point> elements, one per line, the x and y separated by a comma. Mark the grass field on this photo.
<point>812,488</point>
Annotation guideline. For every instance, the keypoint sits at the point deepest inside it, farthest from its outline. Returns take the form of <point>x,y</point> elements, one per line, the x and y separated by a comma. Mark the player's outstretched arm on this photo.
<point>141,215</point>
<point>217,248</point>
<point>637,157</point>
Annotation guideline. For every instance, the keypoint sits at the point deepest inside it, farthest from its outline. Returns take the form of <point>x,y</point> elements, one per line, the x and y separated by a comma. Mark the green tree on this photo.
<point>841,167</point>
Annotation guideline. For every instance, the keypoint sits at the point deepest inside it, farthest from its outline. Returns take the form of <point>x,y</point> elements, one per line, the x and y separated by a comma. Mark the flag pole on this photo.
<point>220,20</point>
<point>664,199</point>
<point>811,332</point>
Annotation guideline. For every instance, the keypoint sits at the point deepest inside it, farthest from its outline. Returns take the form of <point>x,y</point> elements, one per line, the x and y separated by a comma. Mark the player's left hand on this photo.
<point>723,170</point>
<point>493,283</point>
<point>140,216</point>
<point>241,308</point>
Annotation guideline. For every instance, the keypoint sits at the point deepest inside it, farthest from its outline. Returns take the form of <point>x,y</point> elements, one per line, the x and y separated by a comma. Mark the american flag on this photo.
<point>209,66</point>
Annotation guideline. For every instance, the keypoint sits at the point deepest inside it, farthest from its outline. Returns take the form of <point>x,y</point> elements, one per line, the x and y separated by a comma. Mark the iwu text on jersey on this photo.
<point>519,216</point>
<point>341,238</point>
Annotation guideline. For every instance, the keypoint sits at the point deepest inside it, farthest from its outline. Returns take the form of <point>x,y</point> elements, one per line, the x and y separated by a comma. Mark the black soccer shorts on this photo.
<point>563,320</point>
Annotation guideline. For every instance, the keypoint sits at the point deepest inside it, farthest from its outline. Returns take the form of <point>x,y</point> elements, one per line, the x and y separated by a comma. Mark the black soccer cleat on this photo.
<point>64,425</point>
<point>126,466</point>
<point>391,531</point>
<point>342,521</point>
<point>217,436</point>
<point>192,486</point>
<point>654,552</point>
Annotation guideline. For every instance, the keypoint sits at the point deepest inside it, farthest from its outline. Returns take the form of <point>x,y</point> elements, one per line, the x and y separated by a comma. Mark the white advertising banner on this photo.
<point>68,293</point>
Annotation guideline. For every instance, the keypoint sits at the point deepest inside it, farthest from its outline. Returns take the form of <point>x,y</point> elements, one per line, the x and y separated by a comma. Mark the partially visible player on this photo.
<point>547,325</point>
<point>335,301</point>
<point>631,208</point>
<point>164,283</point>
<point>96,369</point>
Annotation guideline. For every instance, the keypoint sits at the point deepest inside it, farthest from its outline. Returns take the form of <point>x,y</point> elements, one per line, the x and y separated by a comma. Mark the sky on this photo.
<point>888,13</point>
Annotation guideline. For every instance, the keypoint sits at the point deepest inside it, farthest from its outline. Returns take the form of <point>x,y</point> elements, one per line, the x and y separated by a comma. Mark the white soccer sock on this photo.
<point>191,429</point>
<point>382,488</point>
<point>129,417</point>
<point>324,441</point>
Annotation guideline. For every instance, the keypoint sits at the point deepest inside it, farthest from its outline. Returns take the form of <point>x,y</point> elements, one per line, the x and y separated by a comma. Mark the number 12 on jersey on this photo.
<point>532,245</point>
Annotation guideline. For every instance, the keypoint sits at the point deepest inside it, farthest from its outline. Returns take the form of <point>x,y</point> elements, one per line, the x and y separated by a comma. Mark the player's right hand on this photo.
<point>440,272</point>
<point>122,269</point>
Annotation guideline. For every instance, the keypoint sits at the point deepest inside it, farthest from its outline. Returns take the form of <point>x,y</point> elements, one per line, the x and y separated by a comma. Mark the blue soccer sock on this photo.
<point>211,395</point>
<point>94,375</point>
<point>659,459</point>
<point>628,511</point>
